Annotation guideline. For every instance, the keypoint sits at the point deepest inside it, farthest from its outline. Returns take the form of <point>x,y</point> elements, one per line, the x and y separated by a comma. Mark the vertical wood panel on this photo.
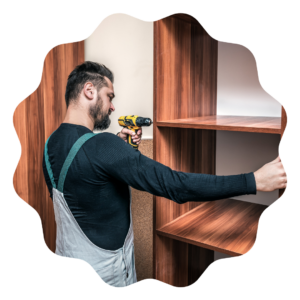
<point>60,76</point>
<point>185,85</point>
<point>35,136</point>
<point>35,119</point>
<point>155,135</point>
<point>204,75</point>
<point>80,54</point>
<point>70,60</point>
<point>48,83</point>
<point>20,174</point>
<point>204,158</point>
<point>51,121</point>
<point>199,259</point>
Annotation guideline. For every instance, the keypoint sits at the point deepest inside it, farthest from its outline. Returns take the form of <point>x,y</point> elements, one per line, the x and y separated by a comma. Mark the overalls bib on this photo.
<point>115,267</point>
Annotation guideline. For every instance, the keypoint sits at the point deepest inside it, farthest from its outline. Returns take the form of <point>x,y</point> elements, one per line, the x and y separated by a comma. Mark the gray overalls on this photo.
<point>117,267</point>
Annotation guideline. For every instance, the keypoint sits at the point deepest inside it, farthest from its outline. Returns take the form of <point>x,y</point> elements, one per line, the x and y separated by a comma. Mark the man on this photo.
<point>88,176</point>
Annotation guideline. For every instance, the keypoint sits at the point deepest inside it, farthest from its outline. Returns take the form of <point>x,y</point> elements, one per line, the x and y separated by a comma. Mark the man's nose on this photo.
<point>112,108</point>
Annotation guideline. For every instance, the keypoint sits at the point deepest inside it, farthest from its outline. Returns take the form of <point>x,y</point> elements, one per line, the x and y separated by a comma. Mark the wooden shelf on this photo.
<point>184,98</point>
<point>229,123</point>
<point>228,226</point>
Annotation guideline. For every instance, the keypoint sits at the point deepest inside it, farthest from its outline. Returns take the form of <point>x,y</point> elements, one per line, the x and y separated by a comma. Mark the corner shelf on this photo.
<point>229,123</point>
<point>228,226</point>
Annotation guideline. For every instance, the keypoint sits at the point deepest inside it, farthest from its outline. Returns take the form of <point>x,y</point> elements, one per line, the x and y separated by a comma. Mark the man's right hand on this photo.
<point>271,176</point>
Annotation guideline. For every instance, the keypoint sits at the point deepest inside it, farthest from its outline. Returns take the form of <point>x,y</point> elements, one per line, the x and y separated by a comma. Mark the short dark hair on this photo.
<point>88,71</point>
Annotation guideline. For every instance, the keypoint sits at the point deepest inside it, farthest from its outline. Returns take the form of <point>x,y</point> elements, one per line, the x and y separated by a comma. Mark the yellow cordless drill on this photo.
<point>134,123</point>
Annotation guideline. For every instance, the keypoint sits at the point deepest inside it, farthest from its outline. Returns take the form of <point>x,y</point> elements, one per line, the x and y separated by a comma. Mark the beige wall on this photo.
<point>239,93</point>
<point>125,45</point>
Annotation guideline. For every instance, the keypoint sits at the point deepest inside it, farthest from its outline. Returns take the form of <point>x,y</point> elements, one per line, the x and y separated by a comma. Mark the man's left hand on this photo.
<point>136,137</point>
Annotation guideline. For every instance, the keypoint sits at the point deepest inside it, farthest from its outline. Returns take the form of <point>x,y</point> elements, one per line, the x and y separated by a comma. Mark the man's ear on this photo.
<point>89,90</point>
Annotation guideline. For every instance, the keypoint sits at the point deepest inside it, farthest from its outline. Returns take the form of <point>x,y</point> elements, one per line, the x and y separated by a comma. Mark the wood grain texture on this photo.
<point>228,226</point>
<point>228,123</point>
<point>185,86</point>
<point>20,174</point>
<point>187,18</point>
<point>185,70</point>
<point>35,119</point>
<point>51,116</point>
<point>185,83</point>
<point>35,144</point>
<point>186,150</point>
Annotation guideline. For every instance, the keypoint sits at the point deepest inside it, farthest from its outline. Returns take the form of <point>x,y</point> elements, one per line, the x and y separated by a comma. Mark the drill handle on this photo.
<point>129,138</point>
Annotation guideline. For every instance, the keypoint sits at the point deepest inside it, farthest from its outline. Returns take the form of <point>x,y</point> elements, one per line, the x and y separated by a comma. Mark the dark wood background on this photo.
<point>35,119</point>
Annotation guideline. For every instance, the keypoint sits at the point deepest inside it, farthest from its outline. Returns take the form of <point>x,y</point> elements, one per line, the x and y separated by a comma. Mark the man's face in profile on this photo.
<point>101,111</point>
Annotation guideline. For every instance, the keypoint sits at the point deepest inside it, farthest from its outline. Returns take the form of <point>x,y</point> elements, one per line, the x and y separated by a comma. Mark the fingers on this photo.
<point>136,137</point>
<point>128,131</point>
<point>132,133</point>
<point>138,134</point>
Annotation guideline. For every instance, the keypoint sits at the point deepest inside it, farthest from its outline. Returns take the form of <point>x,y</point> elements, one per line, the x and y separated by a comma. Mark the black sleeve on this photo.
<point>119,160</point>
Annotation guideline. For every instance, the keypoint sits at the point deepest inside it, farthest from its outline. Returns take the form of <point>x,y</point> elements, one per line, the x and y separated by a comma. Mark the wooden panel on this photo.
<point>50,96</point>
<point>186,150</point>
<point>185,70</point>
<point>20,175</point>
<point>35,119</point>
<point>229,123</point>
<point>35,144</point>
<point>52,114</point>
<point>155,130</point>
<point>172,67</point>
<point>283,125</point>
<point>199,260</point>
<point>60,63</point>
<point>228,226</point>
<point>186,18</point>
<point>203,76</point>
<point>185,83</point>
<point>80,52</point>
<point>172,261</point>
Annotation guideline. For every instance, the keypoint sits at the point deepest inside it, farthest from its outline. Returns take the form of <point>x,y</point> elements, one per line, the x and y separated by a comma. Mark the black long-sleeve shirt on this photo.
<point>96,185</point>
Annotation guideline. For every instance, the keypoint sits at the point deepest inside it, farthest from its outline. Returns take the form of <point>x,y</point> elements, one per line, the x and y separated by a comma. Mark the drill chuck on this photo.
<point>143,121</point>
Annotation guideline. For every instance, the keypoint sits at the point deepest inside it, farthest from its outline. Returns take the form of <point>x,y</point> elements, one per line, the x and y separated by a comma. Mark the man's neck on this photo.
<point>78,117</point>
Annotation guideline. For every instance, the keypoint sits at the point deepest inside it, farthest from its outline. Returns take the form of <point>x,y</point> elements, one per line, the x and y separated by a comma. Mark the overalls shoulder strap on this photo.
<point>63,173</point>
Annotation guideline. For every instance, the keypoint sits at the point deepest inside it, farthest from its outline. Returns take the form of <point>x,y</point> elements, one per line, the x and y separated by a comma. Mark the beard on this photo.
<point>101,119</point>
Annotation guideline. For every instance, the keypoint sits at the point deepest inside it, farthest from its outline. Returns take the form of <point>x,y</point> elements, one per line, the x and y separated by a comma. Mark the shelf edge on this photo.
<point>206,246</point>
<point>219,127</point>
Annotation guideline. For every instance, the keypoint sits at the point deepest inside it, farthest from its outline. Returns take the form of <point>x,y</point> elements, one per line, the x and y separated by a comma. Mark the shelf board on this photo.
<point>229,123</point>
<point>228,226</point>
